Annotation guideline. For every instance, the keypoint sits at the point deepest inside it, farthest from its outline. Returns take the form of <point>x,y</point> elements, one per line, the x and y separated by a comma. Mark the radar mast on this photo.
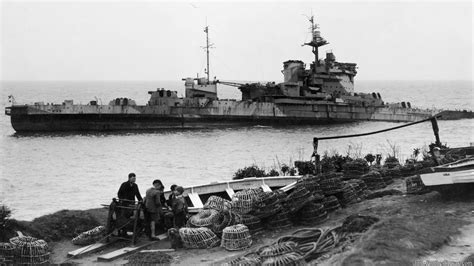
<point>316,41</point>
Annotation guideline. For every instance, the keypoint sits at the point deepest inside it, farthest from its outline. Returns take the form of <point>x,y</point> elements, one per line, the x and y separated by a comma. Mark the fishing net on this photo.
<point>30,251</point>
<point>201,237</point>
<point>217,203</point>
<point>358,223</point>
<point>90,237</point>
<point>236,237</point>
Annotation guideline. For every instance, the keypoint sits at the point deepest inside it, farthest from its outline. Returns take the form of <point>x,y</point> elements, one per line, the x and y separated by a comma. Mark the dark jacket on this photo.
<point>153,200</point>
<point>129,191</point>
<point>179,205</point>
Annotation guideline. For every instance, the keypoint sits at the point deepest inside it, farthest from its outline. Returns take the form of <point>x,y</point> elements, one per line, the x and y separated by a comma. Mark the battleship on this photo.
<point>321,93</point>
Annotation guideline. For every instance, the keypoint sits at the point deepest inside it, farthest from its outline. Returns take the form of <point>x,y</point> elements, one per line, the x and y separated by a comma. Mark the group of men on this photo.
<point>160,214</point>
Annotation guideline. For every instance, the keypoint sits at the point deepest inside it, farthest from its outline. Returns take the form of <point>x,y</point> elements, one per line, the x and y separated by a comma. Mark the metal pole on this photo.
<point>207,50</point>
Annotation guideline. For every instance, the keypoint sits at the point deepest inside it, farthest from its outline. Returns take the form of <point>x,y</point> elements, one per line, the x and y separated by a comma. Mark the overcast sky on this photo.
<point>163,40</point>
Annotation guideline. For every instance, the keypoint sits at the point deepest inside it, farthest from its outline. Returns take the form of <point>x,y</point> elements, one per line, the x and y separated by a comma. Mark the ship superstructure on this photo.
<point>323,92</point>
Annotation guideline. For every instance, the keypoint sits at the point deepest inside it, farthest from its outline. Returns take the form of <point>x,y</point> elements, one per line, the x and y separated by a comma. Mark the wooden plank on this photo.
<point>157,250</point>
<point>162,236</point>
<point>196,200</point>
<point>89,249</point>
<point>122,252</point>
<point>230,192</point>
<point>266,188</point>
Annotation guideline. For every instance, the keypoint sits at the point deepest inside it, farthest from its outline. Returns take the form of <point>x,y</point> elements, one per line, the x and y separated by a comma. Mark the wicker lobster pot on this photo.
<point>278,221</point>
<point>415,185</point>
<point>373,180</point>
<point>291,259</point>
<point>349,194</point>
<point>276,249</point>
<point>205,218</point>
<point>310,182</point>
<point>225,219</point>
<point>331,186</point>
<point>236,237</point>
<point>312,213</point>
<point>331,203</point>
<point>253,223</point>
<point>30,251</point>
<point>89,237</point>
<point>6,253</point>
<point>201,237</point>
<point>250,259</point>
<point>297,199</point>
<point>217,203</point>
<point>269,205</point>
<point>245,200</point>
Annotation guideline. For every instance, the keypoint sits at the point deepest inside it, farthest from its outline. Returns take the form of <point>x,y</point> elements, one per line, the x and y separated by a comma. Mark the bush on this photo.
<point>250,171</point>
<point>305,167</point>
<point>5,214</point>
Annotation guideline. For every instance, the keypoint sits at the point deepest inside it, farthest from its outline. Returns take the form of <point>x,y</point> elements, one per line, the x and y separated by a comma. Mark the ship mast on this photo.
<point>208,45</point>
<point>316,41</point>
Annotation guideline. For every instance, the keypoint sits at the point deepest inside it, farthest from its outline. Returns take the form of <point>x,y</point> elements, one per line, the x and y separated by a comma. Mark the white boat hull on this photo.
<point>448,178</point>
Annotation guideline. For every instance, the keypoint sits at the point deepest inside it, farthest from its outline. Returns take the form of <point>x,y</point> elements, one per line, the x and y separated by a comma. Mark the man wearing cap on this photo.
<point>180,207</point>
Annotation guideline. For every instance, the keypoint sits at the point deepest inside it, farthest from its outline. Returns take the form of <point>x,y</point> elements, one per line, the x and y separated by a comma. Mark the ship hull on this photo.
<point>28,118</point>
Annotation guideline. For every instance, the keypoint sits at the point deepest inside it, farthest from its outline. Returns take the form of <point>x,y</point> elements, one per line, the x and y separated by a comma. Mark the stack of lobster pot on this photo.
<point>349,193</point>
<point>331,203</point>
<point>311,214</point>
<point>252,222</point>
<point>373,180</point>
<point>30,251</point>
<point>331,184</point>
<point>358,186</point>
<point>415,185</point>
<point>310,182</point>
<point>245,200</point>
<point>201,237</point>
<point>278,221</point>
<point>236,237</point>
<point>355,168</point>
<point>217,203</point>
<point>204,218</point>
<point>7,253</point>
<point>297,199</point>
<point>268,206</point>
<point>391,162</point>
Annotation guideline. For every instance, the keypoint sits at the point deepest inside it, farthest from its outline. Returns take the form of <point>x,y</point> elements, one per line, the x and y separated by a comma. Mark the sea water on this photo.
<point>44,173</point>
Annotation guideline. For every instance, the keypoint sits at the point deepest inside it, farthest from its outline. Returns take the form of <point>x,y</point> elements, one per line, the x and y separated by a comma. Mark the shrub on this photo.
<point>250,171</point>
